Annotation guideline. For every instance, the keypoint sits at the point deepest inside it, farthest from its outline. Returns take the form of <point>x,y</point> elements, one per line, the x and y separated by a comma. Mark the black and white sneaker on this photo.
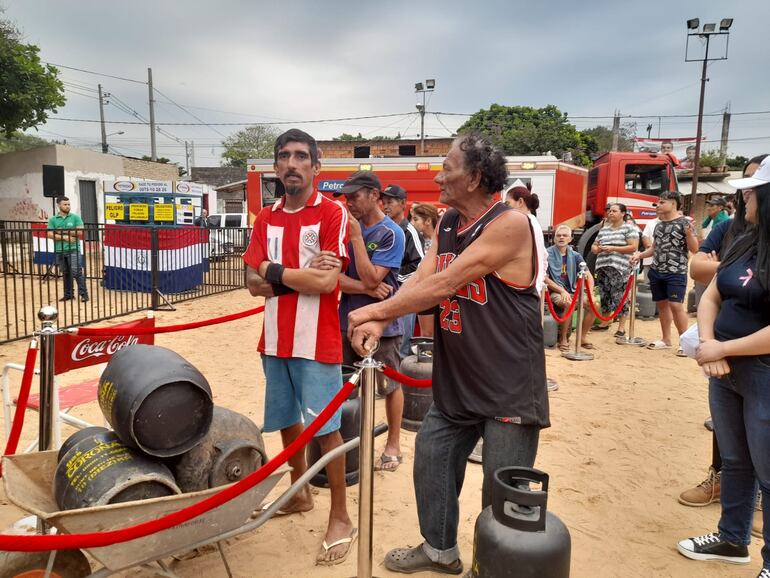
<point>765,573</point>
<point>712,547</point>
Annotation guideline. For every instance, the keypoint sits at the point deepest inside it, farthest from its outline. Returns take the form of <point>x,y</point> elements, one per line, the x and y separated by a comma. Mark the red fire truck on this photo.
<point>568,194</point>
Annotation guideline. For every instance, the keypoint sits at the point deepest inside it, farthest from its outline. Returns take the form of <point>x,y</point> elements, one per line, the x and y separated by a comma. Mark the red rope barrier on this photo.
<point>21,402</point>
<point>99,331</point>
<point>100,539</point>
<point>615,313</point>
<point>405,379</point>
<point>571,308</point>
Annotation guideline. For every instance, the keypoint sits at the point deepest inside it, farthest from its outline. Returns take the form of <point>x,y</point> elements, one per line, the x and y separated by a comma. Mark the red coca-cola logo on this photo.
<point>87,348</point>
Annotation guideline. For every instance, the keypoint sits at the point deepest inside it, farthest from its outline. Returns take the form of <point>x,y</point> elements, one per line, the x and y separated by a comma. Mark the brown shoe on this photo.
<point>756,524</point>
<point>705,493</point>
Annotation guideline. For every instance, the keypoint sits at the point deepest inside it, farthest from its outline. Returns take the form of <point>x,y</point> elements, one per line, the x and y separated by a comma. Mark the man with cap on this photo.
<point>376,252</point>
<point>716,213</point>
<point>393,199</point>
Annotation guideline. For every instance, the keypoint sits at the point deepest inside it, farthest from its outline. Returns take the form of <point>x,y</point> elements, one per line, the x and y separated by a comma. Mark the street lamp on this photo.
<point>105,146</point>
<point>419,88</point>
<point>705,33</point>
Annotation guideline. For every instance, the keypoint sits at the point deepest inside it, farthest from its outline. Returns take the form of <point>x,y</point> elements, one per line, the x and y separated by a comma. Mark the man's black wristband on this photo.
<point>274,273</point>
<point>281,289</point>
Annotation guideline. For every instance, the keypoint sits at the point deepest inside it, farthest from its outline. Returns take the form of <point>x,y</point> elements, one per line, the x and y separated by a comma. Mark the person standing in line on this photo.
<point>425,218</point>
<point>715,213</point>
<point>488,356</point>
<point>734,351</point>
<point>393,198</point>
<point>66,229</point>
<point>703,268</point>
<point>298,248</point>
<point>613,247</point>
<point>673,240</point>
<point>376,254</point>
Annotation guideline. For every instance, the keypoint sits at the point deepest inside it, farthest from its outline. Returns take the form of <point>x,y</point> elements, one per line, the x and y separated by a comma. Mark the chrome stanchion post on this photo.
<point>630,339</point>
<point>47,316</point>
<point>578,355</point>
<point>366,464</point>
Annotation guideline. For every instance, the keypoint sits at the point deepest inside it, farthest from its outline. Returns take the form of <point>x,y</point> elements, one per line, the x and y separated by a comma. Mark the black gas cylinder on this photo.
<point>417,400</point>
<point>515,536</point>
<point>350,428</point>
<point>99,469</point>
<point>232,449</point>
<point>155,400</point>
<point>550,330</point>
<point>79,435</point>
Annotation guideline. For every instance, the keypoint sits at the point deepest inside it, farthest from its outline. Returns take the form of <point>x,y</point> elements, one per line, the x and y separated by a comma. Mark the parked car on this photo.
<point>229,234</point>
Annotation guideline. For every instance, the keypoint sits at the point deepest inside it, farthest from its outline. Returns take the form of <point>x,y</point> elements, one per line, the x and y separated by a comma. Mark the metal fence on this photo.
<point>125,269</point>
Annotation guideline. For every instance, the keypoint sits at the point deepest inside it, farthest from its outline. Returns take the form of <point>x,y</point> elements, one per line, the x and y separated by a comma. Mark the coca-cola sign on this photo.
<point>73,351</point>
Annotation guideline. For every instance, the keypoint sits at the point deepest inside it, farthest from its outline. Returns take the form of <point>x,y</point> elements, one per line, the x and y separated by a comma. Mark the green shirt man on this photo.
<point>65,242</point>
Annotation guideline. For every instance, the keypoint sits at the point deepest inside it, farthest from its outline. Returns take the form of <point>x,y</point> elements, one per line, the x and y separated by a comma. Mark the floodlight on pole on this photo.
<point>429,86</point>
<point>709,30</point>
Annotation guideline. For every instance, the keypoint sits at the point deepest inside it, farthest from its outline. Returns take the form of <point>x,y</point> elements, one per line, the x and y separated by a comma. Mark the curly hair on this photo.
<point>482,157</point>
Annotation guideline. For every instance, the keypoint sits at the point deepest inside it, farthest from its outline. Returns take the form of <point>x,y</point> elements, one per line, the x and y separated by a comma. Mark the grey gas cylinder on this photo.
<point>646,308</point>
<point>155,400</point>
<point>516,537</point>
<point>99,469</point>
<point>231,450</point>
<point>417,400</point>
<point>550,330</point>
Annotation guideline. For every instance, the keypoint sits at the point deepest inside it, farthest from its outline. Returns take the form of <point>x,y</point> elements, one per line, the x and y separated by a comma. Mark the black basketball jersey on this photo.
<point>489,359</point>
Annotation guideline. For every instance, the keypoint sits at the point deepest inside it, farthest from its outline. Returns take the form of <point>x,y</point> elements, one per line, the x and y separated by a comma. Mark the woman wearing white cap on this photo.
<point>734,324</point>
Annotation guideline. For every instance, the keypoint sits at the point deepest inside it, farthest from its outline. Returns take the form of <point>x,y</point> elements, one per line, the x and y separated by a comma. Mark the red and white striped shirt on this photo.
<point>300,325</point>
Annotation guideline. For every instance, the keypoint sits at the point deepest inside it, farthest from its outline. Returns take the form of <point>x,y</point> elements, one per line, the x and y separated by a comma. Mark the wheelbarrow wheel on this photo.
<point>68,564</point>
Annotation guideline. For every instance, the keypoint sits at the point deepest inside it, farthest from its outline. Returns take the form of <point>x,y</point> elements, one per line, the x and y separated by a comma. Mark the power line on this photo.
<point>180,107</point>
<point>316,121</point>
<point>98,73</point>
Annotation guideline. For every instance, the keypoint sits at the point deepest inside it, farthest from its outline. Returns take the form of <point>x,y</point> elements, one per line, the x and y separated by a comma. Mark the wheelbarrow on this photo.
<point>28,484</point>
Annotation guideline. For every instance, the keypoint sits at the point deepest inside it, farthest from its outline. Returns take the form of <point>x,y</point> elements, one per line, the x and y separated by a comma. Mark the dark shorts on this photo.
<point>388,354</point>
<point>667,286</point>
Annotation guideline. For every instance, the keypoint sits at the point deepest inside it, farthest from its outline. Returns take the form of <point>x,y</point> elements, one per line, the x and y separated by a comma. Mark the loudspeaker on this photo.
<point>53,181</point>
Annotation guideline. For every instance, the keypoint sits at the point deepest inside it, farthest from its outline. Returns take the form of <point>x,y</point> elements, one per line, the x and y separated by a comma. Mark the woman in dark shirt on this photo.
<point>734,324</point>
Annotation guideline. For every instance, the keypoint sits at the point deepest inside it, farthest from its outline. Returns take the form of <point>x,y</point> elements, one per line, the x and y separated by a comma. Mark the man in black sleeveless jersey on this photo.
<point>489,362</point>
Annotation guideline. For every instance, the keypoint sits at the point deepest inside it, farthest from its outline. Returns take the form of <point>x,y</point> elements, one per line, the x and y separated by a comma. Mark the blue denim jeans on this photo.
<point>408,320</point>
<point>740,407</point>
<point>70,266</point>
<point>441,455</point>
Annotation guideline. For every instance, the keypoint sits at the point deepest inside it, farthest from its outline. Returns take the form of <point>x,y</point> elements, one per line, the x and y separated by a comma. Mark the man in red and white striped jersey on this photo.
<point>298,248</point>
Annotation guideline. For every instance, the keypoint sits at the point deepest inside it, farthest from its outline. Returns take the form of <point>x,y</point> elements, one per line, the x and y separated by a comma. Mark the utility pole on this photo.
<point>153,148</point>
<point>105,149</point>
<point>419,87</point>
<point>187,159</point>
<point>192,153</point>
<point>616,130</point>
<point>725,135</point>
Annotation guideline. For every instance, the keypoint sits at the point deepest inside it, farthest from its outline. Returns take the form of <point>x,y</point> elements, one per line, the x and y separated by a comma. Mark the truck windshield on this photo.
<point>646,179</point>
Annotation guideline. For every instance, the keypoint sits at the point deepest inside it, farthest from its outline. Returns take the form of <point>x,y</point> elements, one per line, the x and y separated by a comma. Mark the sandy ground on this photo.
<point>627,436</point>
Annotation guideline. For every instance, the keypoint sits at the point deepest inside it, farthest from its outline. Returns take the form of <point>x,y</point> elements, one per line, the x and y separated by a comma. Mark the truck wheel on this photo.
<point>68,564</point>
<point>584,246</point>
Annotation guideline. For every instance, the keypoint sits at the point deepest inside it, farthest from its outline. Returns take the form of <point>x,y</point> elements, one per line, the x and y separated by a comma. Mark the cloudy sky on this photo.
<point>241,61</point>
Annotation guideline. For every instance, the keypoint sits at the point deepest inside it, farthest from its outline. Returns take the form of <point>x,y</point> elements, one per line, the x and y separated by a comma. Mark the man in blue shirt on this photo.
<point>66,229</point>
<point>561,281</point>
<point>376,252</point>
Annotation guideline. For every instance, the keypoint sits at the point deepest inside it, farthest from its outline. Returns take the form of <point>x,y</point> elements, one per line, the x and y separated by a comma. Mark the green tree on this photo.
<point>252,142</point>
<point>29,90</point>
<point>523,130</point>
<point>18,141</point>
<point>602,136</point>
